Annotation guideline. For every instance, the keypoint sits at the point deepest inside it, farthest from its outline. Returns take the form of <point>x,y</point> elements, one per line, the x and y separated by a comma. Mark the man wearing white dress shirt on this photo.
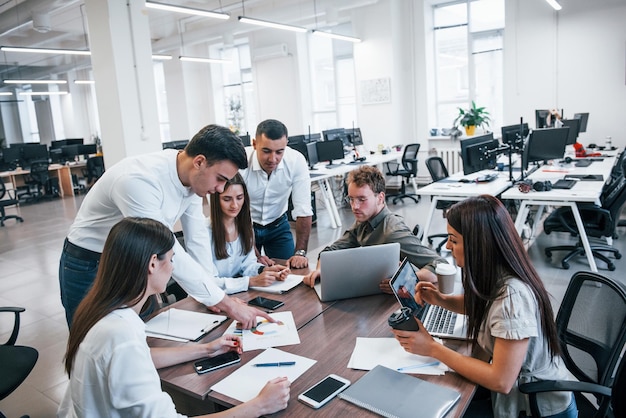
<point>274,172</point>
<point>167,186</point>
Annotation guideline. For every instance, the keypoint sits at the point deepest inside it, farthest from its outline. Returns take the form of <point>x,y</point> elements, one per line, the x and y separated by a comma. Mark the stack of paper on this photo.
<point>284,286</point>
<point>180,325</point>
<point>267,334</point>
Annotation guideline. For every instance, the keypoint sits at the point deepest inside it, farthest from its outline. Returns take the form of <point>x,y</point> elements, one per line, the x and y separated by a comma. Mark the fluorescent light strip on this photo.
<point>35,81</point>
<point>160,57</point>
<point>186,10</point>
<point>271,24</point>
<point>43,93</point>
<point>84,82</point>
<point>45,50</point>
<point>6,93</point>
<point>554,4</point>
<point>205,60</point>
<point>336,36</point>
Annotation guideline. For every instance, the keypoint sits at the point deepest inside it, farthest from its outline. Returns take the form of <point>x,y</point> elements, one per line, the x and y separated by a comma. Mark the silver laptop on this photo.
<point>355,272</point>
<point>438,321</point>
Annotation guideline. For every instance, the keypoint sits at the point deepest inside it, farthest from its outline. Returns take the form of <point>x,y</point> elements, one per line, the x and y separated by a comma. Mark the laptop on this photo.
<point>356,272</point>
<point>438,321</point>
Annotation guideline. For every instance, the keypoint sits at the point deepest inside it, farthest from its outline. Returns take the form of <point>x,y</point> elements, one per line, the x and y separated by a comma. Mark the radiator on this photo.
<point>451,158</point>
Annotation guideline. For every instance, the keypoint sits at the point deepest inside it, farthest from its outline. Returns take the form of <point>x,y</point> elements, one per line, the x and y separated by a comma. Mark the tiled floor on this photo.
<point>29,254</point>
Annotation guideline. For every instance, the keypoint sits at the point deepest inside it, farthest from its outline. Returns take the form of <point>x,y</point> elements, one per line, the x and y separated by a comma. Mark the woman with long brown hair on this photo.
<point>508,308</point>
<point>111,368</point>
<point>232,241</point>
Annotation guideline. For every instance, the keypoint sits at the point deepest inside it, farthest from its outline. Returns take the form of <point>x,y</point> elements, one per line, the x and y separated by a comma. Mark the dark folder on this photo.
<point>393,394</point>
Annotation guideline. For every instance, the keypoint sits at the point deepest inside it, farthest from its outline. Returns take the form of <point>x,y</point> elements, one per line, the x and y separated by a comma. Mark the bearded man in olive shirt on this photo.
<point>376,224</point>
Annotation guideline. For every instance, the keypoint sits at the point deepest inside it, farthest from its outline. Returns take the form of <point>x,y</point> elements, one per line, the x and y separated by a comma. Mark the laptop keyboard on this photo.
<point>440,320</point>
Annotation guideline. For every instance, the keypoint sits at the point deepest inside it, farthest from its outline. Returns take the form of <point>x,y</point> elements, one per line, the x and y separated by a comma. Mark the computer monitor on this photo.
<point>311,148</point>
<point>354,136</point>
<point>584,118</point>
<point>35,153</point>
<point>338,133</point>
<point>514,133</point>
<point>574,128</point>
<point>544,145</point>
<point>87,150</point>
<point>329,151</point>
<point>70,152</point>
<point>477,153</point>
<point>296,139</point>
<point>12,156</point>
<point>68,141</point>
<point>541,118</point>
<point>245,139</point>
<point>313,137</point>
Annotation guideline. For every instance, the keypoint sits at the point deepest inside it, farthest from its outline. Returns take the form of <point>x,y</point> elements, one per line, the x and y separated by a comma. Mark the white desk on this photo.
<point>322,174</point>
<point>452,189</point>
<point>583,191</point>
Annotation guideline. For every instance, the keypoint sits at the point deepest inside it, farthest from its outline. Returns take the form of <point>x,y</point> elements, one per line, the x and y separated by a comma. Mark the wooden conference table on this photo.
<point>327,333</point>
<point>62,172</point>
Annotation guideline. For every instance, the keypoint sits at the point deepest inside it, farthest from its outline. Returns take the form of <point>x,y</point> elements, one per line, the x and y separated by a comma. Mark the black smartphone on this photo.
<point>266,303</point>
<point>213,363</point>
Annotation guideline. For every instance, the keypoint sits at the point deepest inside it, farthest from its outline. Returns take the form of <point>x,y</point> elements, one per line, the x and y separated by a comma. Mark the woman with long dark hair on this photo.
<point>232,241</point>
<point>111,368</point>
<point>508,308</point>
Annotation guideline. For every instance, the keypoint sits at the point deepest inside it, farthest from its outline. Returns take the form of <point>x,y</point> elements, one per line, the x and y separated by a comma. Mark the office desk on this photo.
<point>321,174</point>
<point>328,337</point>
<point>451,189</point>
<point>62,172</point>
<point>582,192</point>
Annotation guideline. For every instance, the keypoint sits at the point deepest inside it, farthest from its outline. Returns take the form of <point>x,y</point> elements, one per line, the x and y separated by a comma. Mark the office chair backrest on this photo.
<point>95,168</point>
<point>437,168</point>
<point>39,171</point>
<point>618,400</point>
<point>591,324</point>
<point>409,158</point>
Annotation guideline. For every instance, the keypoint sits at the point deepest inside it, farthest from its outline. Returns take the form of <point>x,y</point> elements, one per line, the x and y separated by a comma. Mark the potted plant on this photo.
<point>471,118</point>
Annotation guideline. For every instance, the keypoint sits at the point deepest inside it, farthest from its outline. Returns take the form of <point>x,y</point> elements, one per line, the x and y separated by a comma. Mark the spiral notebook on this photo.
<point>393,394</point>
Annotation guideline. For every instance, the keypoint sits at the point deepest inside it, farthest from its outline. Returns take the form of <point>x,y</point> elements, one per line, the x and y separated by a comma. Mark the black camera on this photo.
<point>404,320</point>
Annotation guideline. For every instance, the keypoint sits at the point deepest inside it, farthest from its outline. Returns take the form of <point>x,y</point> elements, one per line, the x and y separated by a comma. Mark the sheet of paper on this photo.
<point>370,352</point>
<point>247,381</point>
<point>279,287</point>
<point>267,334</point>
<point>184,324</point>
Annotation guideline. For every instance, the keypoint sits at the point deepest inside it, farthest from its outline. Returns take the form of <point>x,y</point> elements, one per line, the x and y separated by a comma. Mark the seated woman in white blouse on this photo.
<point>232,241</point>
<point>111,368</point>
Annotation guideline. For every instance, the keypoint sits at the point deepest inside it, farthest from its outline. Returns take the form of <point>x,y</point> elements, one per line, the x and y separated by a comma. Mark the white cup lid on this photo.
<point>443,268</point>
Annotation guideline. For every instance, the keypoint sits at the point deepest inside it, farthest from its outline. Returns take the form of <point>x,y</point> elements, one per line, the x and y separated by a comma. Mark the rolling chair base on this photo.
<point>579,250</point>
<point>4,218</point>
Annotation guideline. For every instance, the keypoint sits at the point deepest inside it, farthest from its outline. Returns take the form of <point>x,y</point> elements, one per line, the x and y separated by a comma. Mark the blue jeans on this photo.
<point>277,240</point>
<point>75,278</point>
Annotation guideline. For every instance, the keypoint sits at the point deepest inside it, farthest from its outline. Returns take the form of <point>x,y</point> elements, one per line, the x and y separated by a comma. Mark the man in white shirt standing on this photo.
<point>167,186</point>
<point>274,172</point>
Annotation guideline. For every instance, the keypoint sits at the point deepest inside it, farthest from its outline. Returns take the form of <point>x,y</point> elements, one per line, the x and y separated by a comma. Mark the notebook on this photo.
<point>355,272</point>
<point>564,184</point>
<point>438,321</point>
<point>393,394</point>
<point>183,324</point>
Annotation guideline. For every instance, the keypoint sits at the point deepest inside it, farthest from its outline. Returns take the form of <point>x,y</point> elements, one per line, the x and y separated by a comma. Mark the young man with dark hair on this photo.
<point>167,186</point>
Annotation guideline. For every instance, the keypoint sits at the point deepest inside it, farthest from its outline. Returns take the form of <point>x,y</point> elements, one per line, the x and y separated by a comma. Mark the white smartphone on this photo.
<point>323,391</point>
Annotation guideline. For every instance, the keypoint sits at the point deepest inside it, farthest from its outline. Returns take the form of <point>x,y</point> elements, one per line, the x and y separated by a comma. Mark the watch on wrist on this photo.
<point>301,253</point>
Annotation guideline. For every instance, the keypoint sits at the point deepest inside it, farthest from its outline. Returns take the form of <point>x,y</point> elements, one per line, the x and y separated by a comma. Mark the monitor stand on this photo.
<point>331,165</point>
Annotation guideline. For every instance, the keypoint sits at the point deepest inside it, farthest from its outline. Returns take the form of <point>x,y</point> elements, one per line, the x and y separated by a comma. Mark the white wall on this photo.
<point>572,60</point>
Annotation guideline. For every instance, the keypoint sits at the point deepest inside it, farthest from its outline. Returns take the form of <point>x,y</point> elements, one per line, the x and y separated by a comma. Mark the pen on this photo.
<point>209,327</point>
<point>279,364</point>
<point>419,366</point>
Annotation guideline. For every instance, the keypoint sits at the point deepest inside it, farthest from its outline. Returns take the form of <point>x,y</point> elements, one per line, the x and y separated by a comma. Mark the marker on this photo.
<point>419,366</point>
<point>279,364</point>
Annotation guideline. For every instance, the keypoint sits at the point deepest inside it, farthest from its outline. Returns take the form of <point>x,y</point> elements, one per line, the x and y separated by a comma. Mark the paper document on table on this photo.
<point>179,323</point>
<point>247,381</point>
<point>371,352</point>
<point>267,334</point>
<point>279,287</point>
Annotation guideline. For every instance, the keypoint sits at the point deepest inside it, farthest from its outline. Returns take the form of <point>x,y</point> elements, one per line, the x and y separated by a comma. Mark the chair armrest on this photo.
<point>533,388</point>
<point>16,324</point>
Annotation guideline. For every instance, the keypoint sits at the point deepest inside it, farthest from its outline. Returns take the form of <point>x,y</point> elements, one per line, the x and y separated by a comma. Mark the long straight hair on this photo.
<point>243,221</point>
<point>122,278</point>
<point>493,250</point>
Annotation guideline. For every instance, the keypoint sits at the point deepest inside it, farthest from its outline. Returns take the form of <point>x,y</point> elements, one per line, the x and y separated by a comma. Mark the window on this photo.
<point>468,38</point>
<point>161,93</point>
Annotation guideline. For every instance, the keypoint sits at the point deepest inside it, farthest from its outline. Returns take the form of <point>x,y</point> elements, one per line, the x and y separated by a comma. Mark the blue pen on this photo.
<point>418,366</point>
<point>279,364</point>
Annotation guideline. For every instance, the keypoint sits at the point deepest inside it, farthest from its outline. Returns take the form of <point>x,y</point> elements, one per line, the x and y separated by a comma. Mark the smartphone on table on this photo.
<point>265,303</point>
<point>323,391</point>
<point>213,363</point>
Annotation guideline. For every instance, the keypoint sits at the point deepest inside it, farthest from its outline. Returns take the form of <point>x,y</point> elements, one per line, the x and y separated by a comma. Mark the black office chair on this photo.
<point>591,326</point>
<point>438,171</point>
<point>407,169</point>
<point>40,184</point>
<point>599,222</point>
<point>6,199</point>
<point>94,168</point>
<point>16,361</point>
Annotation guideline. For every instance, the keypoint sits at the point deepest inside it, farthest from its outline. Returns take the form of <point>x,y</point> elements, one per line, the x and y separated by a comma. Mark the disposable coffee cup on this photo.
<point>446,274</point>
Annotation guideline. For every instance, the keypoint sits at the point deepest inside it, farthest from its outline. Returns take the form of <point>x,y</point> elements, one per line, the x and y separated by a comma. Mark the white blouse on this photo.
<point>234,272</point>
